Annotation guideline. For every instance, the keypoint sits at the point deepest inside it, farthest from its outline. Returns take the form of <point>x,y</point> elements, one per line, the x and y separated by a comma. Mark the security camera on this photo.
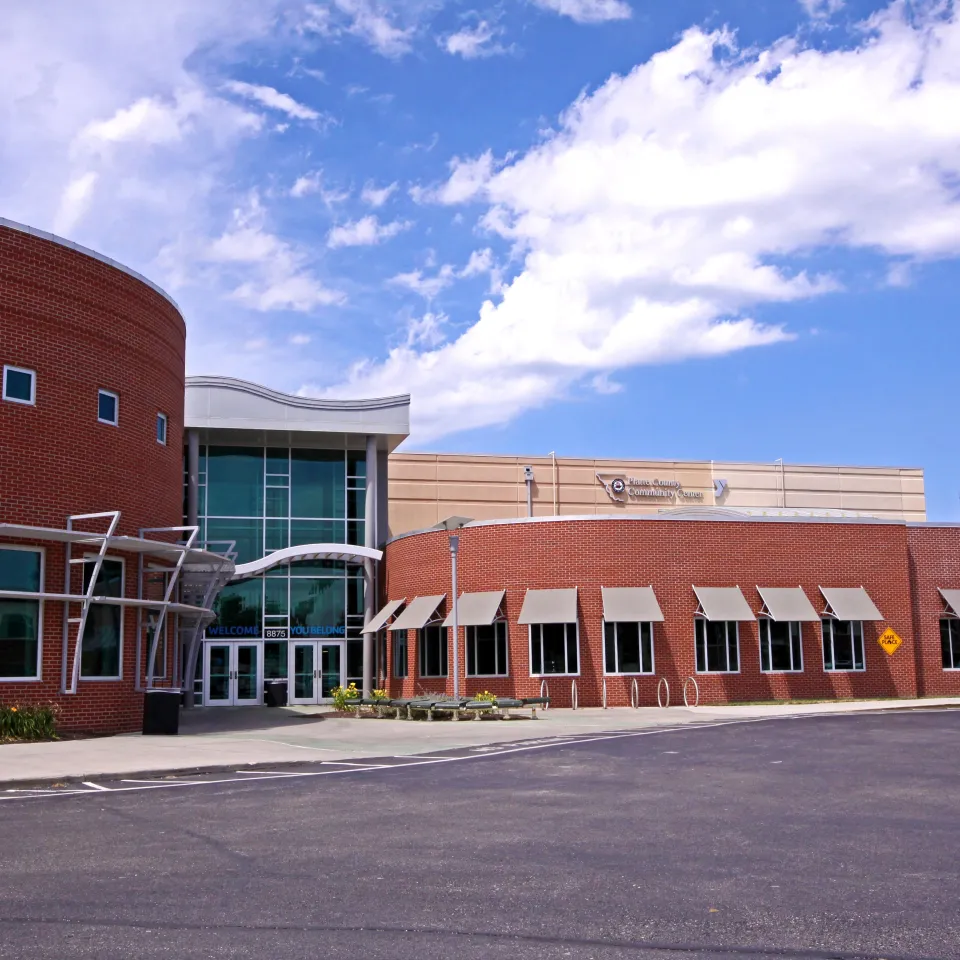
<point>528,473</point>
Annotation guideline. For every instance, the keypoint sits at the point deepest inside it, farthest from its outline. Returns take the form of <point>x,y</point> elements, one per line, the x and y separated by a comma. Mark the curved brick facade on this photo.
<point>84,324</point>
<point>674,555</point>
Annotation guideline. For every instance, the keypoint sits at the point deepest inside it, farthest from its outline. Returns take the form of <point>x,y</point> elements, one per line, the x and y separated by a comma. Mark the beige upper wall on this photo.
<point>426,488</point>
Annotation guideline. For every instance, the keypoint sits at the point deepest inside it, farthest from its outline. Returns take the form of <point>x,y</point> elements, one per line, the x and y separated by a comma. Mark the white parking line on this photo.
<point>95,786</point>
<point>355,768</point>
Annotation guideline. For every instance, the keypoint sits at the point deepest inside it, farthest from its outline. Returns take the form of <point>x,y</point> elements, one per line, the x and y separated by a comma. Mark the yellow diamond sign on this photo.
<point>889,641</point>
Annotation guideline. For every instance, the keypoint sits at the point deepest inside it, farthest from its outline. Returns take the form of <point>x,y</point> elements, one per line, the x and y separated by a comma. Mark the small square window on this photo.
<point>161,429</point>
<point>108,407</point>
<point>19,385</point>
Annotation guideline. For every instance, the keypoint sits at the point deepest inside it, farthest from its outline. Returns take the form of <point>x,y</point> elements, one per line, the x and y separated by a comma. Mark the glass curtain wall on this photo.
<point>269,498</point>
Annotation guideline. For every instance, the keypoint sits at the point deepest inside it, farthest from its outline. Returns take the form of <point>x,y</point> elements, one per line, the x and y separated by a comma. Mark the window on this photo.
<point>433,651</point>
<point>162,428</point>
<point>20,569</point>
<point>553,648</point>
<point>19,385</point>
<point>103,637</point>
<point>950,643</point>
<point>718,646</point>
<point>780,646</point>
<point>108,407</point>
<point>842,645</point>
<point>628,647</point>
<point>400,662</point>
<point>487,650</point>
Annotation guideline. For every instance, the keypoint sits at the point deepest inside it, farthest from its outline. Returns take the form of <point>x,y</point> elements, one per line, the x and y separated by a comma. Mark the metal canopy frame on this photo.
<point>180,561</point>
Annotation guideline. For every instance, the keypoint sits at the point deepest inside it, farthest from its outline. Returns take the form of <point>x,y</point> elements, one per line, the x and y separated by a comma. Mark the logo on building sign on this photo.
<point>623,489</point>
<point>889,641</point>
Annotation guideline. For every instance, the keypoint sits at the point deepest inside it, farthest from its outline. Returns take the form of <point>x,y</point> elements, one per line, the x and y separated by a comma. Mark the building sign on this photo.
<point>277,633</point>
<point>219,631</point>
<point>889,641</point>
<point>625,489</point>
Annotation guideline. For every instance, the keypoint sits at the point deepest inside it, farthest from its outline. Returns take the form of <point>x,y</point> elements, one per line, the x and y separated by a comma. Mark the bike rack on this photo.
<point>634,694</point>
<point>545,693</point>
<point>696,687</point>
<point>663,685</point>
<point>604,693</point>
<point>573,694</point>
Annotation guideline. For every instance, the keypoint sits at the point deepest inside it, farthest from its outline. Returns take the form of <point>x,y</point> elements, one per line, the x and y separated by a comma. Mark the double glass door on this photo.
<point>316,669</point>
<point>233,674</point>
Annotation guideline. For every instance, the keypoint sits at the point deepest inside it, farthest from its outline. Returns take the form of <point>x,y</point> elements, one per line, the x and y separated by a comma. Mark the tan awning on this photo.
<point>952,600</point>
<point>379,621</point>
<point>787,603</point>
<point>418,613</point>
<point>476,609</point>
<point>630,604</point>
<point>850,603</point>
<point>549,606</point>
<point>723,603</point>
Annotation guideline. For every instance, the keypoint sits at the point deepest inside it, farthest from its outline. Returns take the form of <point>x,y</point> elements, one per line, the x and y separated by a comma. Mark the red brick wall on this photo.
<point>935,563</point>
<point>82,324</point>
<point>673,555</point>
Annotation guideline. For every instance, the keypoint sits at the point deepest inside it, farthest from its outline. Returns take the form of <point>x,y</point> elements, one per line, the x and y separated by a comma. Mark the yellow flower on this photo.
<point>13,709</point>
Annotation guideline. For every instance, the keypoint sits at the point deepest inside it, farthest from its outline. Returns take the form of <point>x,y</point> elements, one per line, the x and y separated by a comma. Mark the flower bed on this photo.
<point>27,723</point>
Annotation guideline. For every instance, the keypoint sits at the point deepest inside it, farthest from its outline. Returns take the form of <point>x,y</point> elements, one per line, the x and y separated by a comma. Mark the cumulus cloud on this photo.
<point>471,43</point>
<point>467,180</point>
<point>273,99</point>
<point>591,11</point>
<point>377,196</point>
<point>426,287</point>
<point>372,23</point>
<point>365,232</point>
<point>821,9</point>
<point>673,202</point>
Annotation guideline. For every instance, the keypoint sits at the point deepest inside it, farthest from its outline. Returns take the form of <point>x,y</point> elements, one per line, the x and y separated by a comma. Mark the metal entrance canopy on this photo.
<point>345,553</point>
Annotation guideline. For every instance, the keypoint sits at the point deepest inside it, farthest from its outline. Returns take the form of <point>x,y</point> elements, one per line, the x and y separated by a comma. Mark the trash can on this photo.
<point>161,712</point>
<point>275,693</point>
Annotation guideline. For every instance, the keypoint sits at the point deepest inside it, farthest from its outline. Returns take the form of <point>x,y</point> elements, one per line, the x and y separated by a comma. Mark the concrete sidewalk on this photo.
<point>228,738</point>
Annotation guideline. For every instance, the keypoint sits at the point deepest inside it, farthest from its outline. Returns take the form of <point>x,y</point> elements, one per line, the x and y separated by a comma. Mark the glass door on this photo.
<point>303,681</point>
<point>247,674</point>
<point>219,673</point>
<point>331,669</point>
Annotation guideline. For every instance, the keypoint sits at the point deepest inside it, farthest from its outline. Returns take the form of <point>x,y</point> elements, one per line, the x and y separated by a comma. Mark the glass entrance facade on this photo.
<point>269,498</point>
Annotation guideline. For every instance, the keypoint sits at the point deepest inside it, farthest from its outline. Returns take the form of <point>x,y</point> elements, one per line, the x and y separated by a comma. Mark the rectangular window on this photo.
<point>487,650</point>
<point>628,647</point>
<point>400,661</point>
<point>780,646</point>
<point>239,610</point>
<point>19,385</point>
<point>162,428</point>
<point>318,485</point>
<point>718,646</point>
<point>20,619</point>
<point>317,607</point>
<point>842,645</point>
<point>554,649</point>
<point>108,407</point>
<point>235,479</point>
<point>432,643</point>
<point>950,643</point>
<point>275,660</point>
<point>103,638</point>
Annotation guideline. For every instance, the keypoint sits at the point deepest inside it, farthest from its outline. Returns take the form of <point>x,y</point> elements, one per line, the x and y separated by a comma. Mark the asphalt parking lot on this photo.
<point>817,837</point>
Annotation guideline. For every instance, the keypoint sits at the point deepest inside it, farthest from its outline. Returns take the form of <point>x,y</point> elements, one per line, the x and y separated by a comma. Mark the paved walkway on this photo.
<point>227,738</point>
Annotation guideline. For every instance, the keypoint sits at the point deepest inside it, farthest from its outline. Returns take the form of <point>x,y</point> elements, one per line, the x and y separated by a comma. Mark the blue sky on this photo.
<point>619,228</point>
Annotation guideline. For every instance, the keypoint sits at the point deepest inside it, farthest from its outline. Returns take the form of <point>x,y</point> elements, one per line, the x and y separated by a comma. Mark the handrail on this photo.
<point>696,687</point>
<point>573,694</point>
<point>604,693</point>
<point>545,693</point>
<point>634,694</point>
<point>666,686</point>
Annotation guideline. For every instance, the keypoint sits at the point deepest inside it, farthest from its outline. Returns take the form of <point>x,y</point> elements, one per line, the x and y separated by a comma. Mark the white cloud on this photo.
<point>675,201</point>
<point>313,183</point>
<point>481,261</point>
<point>472,43</point>
<point>588,11</point>
<point>365,232</point>
<point>821,9</point>
<point>426,287</point>
<point>273,99</point>
<point>300,339</point>
<point>426,331</point>
<point>368,21</point>
<point>269,273</point>
<point>466,181</point>
<point>377,197</point>
<point>75,202</point>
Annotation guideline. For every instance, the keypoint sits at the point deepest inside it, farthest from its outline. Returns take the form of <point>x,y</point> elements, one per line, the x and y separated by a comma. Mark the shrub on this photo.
<point>342,696</point>
<point>379,695</point>
<point>28,723</point>
<point>486,697</point>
